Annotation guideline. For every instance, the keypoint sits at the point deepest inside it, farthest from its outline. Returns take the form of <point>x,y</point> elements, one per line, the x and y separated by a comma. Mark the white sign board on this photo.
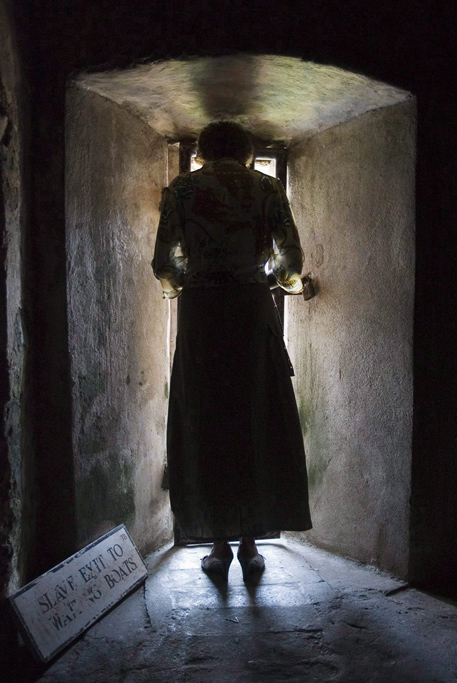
<point>59,605</point>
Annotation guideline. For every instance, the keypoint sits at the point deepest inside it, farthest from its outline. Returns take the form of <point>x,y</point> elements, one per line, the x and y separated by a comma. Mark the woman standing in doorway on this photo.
<point>235,449</point>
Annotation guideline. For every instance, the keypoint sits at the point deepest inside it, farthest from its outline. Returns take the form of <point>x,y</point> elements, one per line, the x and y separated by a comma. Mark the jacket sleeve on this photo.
<point>287,259</point>
<point>169,262</point>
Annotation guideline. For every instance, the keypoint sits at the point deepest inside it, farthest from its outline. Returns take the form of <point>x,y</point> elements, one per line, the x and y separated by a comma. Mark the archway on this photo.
<point>351,183</point>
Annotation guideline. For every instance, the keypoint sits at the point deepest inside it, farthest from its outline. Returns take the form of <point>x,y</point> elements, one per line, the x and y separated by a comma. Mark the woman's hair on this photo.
<point>225,139</point>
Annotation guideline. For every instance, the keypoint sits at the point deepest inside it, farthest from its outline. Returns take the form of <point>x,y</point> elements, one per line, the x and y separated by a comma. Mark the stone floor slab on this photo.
<point>311,617</point>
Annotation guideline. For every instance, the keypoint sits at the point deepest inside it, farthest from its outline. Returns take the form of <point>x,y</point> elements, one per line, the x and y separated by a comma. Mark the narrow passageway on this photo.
<point>312,617</point>
<point>346,147</point>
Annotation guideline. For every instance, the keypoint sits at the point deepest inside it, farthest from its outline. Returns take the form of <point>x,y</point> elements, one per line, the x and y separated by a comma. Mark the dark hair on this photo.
<point>225,139</point>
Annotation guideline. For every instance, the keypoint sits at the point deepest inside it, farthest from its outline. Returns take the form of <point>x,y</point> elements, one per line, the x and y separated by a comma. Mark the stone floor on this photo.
<point>311,617</point>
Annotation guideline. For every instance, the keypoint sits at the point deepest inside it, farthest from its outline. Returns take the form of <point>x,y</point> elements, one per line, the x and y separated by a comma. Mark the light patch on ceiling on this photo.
<point>279,98</point>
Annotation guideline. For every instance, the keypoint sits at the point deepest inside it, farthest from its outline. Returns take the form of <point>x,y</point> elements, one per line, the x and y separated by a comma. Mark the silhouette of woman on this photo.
<point>234,444</point>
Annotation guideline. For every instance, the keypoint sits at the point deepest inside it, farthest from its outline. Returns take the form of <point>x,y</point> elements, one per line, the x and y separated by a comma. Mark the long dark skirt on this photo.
<point>235,449</point>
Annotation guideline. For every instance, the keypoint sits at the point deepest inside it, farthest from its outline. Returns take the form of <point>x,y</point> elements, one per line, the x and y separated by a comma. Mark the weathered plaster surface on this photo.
<point>275,97</point>
<point>352,191</point>
<point>116,168</point>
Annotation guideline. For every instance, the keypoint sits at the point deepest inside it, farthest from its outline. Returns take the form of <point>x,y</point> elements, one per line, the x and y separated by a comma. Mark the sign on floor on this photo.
<point>58,606</point>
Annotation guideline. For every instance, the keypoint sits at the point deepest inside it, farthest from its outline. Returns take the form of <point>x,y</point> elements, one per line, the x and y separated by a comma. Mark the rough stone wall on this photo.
<point>352,190</point>
<point>13,217</point>
<point>116,168</point>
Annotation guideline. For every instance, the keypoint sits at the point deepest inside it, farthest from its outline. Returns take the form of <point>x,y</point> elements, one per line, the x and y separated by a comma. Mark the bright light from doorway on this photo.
<point>266,165</point>
<point>194,165</point>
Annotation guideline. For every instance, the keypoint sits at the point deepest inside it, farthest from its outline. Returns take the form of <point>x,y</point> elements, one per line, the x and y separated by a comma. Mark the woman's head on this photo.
<point>225,139</point>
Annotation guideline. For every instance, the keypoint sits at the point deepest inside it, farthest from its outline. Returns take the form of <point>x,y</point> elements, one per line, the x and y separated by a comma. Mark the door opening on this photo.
<point>350,163</point>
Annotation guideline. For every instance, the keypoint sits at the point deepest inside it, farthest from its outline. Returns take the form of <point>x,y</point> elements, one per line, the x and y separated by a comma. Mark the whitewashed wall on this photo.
<point>352,191</point>
<point>116,168</point>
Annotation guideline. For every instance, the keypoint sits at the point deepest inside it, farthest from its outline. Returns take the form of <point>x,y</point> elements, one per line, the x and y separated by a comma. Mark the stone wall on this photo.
<point>116,168</point>
<point>13,220</point>
<point>352,191</point>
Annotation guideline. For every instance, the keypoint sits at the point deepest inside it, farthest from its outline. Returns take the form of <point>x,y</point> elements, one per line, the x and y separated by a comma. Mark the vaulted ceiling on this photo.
<point>275,97</point>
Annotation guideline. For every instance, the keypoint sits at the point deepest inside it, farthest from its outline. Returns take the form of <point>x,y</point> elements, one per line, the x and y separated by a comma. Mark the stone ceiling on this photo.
<point>275,97</point>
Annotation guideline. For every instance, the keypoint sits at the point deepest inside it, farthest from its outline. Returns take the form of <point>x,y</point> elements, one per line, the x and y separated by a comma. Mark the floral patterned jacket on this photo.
<point>225,224</point>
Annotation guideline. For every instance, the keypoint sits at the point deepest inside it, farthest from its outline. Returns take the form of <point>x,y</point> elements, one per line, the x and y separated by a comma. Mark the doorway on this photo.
<point>351,160</point>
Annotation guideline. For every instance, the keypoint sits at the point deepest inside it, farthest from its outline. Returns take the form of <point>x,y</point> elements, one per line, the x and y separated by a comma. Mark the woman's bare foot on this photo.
<point>221,550</point>
<point>247,547</point>
<point>252,563</point>
<point>219,559</point>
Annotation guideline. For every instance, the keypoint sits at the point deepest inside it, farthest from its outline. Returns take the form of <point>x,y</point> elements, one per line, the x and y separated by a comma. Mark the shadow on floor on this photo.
<point>311,617</point>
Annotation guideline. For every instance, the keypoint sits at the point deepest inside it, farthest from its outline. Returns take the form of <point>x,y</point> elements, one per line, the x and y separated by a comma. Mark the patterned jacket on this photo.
<point>226,224</point>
